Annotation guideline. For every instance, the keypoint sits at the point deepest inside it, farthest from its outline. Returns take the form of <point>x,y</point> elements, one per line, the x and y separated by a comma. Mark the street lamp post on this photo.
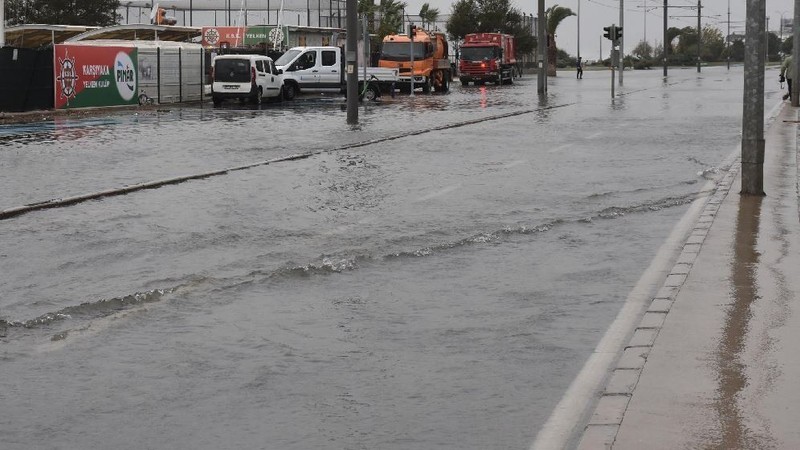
<point>579,29</point>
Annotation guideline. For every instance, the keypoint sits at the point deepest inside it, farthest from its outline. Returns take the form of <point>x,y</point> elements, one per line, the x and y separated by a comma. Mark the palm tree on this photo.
<point>428,15</point>
<point>391,17</point>
<point>555,14</point>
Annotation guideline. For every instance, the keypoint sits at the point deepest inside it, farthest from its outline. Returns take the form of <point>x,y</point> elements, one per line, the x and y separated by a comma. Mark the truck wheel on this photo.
<point>289,91</point>
<point>217,100</point>
<point>426,87</point>
<point>372,93</point>
<point>444,84</point>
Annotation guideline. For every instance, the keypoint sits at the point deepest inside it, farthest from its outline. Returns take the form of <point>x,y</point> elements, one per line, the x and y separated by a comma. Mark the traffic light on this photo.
<point>412,30</point>
<point>617,33</point>
<point>608,33</point>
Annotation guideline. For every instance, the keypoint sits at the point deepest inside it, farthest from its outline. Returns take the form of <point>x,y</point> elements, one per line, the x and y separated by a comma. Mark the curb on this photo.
<point>601,429</point>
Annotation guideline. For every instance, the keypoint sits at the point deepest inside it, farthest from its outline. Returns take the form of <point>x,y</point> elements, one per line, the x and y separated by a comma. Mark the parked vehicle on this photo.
<point>487,57</point>
<point>244,77</point>
<point>431,64</point>
<point>322,69</point>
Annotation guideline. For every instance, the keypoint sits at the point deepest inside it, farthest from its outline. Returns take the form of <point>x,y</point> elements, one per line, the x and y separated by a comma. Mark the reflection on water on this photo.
<point>732,373</point>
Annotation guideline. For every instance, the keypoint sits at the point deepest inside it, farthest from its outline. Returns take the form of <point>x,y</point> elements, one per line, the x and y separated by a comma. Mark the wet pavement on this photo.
<point>718,366</point>
<point>434,277</point>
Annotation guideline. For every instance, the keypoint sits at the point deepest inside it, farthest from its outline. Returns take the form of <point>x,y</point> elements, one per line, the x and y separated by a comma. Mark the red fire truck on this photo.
<point>487,57</point>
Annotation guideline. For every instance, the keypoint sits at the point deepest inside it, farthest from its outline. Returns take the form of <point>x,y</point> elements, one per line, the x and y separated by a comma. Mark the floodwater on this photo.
<point>435,287</point>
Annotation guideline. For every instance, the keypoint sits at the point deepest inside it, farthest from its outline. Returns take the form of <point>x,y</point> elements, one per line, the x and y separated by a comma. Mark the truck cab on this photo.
<point>487,57</point>
<point>431,68</point>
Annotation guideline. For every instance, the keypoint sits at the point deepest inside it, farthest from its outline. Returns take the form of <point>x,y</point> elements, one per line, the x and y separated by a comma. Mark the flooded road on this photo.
<point>423,280</point>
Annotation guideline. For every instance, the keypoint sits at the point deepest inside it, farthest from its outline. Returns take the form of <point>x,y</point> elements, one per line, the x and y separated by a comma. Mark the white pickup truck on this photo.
<point>322,69</point>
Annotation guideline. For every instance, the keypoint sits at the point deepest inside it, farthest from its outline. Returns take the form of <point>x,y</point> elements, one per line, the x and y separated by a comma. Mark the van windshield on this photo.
<point>286,58</point>
<point>232,70</point>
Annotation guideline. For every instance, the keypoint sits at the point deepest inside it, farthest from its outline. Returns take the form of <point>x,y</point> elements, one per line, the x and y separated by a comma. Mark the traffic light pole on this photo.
<point>620,41</point>
<point>541,48</point>
<point>796,57</point>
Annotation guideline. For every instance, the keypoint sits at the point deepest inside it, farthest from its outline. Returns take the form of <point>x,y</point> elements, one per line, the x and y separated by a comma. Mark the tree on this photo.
<point>391,17</point>
<point>643,50</point>
<point>428,15</point>
<point>788,45</point>
<point>773,46</point>
<point>713,43</point>
<point>555,15</point>
<point>465,18</point>
<point>63,12</point>
<point>492,16</point>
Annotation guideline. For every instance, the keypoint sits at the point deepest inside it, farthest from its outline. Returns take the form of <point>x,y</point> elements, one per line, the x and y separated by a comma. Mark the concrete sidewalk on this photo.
<point>714,363</point>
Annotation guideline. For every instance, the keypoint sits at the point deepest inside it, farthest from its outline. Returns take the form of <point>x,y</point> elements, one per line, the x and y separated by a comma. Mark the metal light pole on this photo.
<point>351,59</point>
<point>411,33</point>
<point>541,48</point>
<point>796,56</point>
<point>753,111</point>
<point>666,44</point>
<point>621,41</point>
<point>579,29</point>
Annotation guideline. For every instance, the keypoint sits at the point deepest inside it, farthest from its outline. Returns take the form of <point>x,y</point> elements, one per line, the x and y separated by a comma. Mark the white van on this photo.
<point>245,77</point>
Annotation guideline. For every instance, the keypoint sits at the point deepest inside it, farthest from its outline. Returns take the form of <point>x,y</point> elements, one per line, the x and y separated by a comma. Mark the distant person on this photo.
<point>787,73</point>
<point>579,66</point>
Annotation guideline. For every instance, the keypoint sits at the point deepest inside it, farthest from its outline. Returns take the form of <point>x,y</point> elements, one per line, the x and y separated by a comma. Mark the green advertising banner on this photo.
<point>95,76</point>
<point>262,33</point>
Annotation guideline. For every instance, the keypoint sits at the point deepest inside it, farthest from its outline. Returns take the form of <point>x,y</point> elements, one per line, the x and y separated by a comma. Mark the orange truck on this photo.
<point>431,69</point>
<point>487,57</point>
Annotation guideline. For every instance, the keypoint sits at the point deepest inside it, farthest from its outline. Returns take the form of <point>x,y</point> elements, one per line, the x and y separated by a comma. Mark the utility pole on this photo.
<point>666,44</point>
<point>579,29</point>
<point>728,37</point>
<point>351,60</point>
<point>796,56</point>
<point>699,36</point>
<point>621,41</point>
<point>541,48</point>
<point>753,111</point>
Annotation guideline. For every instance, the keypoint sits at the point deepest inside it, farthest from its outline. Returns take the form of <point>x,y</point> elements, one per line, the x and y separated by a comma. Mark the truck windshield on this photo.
<point>400,51</point>
<point>286,58</point>
<point>478,53</point>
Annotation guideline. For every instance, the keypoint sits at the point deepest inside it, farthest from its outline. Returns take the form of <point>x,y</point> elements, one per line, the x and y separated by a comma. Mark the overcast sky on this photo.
<point>596,14</point>
<point>643,18</point>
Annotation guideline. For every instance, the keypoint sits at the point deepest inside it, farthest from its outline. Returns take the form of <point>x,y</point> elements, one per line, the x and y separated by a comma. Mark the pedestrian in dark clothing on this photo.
<point>579,66</point>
